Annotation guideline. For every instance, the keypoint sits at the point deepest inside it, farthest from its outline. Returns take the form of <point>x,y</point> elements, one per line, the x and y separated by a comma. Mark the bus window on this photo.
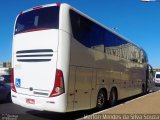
<point>47,18</point>
<point>80,28</point>
<point>87,32</point>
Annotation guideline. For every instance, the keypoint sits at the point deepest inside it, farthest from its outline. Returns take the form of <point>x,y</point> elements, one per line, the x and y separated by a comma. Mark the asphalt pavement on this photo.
<point>10,111</point>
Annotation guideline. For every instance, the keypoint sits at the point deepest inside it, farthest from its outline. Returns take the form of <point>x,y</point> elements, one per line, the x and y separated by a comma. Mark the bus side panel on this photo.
<point>83,88</point>
<point>72,84</point>
<point>94,91</point>
<point>63,61</point>
<point>71,88</point>
<point>82,59</point>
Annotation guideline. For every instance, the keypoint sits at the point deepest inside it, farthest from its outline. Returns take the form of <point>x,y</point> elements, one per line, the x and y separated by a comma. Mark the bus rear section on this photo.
<point>37,82</point>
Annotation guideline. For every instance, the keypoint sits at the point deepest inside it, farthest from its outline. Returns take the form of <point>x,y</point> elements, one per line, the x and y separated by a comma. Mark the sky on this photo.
<point>137,21</point>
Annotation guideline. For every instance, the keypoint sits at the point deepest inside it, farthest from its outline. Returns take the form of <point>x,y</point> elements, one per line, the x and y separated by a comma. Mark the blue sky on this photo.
<point>135,20</point>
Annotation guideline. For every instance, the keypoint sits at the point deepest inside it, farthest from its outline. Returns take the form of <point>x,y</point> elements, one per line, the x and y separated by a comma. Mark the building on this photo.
<point>5,64</point>
<point>5,68</point>
<point>4,71</point>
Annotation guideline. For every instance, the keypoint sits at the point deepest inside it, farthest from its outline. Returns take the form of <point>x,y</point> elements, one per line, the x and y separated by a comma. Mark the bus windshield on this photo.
<point>39,19</point>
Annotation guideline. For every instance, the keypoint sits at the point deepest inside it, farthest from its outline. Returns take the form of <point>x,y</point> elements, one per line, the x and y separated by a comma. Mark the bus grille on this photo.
<point>37,55</point>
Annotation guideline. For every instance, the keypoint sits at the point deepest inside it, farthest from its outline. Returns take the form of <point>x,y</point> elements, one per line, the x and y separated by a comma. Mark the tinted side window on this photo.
<point>87,32</point>
<point>112,40</point>
<point>97,37</point>
<point>80,28</point>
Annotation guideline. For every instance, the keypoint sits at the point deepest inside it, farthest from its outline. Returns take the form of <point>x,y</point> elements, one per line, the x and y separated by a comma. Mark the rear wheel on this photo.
<point>101,99</point>
<point>144,89</point>
<point>113,97</point>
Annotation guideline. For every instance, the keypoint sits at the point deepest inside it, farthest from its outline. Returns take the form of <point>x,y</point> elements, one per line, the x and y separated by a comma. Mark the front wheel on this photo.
<point>144,89</point>
<point>101,99</point>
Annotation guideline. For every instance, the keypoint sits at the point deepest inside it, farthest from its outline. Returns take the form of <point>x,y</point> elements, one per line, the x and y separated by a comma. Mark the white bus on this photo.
<point>65,61</point>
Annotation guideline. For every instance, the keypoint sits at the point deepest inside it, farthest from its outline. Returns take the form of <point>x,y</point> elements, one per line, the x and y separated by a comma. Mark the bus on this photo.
<point>63,60</point>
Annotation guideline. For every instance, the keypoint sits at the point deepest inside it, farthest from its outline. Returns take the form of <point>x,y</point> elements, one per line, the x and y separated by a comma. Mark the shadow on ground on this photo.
<point>71,115</point>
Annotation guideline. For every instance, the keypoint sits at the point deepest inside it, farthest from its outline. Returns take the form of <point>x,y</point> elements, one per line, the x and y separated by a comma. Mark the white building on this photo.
<point>4,71</point>
<point>4,68</point>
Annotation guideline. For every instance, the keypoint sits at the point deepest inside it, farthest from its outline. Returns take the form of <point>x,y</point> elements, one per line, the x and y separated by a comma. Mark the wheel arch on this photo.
<point>105,90</point>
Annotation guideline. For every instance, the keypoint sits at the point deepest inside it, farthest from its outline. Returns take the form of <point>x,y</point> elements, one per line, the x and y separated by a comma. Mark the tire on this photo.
<point>113,97</point>
<point>8,99</point>
<point>101,100</point>
<point>143,89</point>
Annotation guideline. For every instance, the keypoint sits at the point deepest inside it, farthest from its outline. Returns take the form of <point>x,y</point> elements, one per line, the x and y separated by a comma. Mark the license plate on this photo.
<point>30,101</point>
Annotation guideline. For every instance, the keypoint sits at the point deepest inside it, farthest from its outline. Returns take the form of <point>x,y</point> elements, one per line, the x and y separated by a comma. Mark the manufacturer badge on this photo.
<point>31,89</point>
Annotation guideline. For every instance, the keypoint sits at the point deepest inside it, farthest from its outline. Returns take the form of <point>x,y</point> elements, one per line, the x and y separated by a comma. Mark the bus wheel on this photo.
<point>101,99</point>
<point>143,89</point>
<point>113,97</point>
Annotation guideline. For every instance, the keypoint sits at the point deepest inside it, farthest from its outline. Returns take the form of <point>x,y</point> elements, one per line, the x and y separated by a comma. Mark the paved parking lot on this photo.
<point>148,104</point>
<point>139,108</point>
